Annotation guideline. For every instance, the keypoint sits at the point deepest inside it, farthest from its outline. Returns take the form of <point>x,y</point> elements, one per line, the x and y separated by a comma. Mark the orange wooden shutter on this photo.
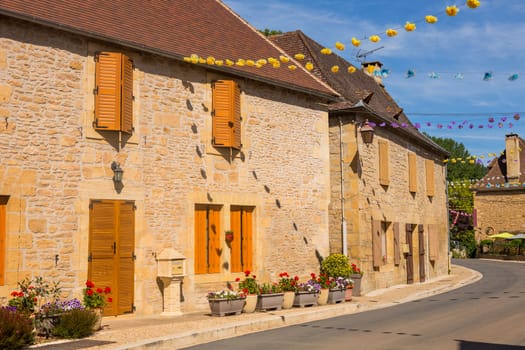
<point>127,95</point>
<point>201,265</point>
<point>433,242</point>
<point>412,172</point>
<point>108,91</point>
<point>397,244</point>
<point>3,224</point>
<point>126,257</point>
<point>429,169</point>
<point>235,246</point>
<point>226,114</point>
<point>101,269</point>
<point>376,243</point>
<point>247,239</point>
<point>214,241</point>
<point>384,178</point>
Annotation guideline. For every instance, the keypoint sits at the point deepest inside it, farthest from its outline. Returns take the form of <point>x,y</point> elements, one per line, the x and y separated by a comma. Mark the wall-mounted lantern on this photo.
<point>367,132</point>
<point>117,172</point>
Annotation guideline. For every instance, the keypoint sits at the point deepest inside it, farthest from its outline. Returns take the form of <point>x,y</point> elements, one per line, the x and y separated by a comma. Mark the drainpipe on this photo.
<point>342,191</point>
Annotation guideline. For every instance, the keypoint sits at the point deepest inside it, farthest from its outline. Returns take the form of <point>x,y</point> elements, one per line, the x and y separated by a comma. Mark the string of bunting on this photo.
<point>487,182</point>
<point>284,59</point>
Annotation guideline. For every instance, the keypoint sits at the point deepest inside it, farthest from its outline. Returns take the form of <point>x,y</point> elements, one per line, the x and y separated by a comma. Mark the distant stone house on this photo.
<point>499,197</point>
<point>93,90</point>
<point>388,208</point>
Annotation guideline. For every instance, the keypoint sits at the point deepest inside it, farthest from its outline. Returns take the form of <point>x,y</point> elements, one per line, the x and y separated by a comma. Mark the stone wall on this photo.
<point>366,200</point>
<point>53,164</point>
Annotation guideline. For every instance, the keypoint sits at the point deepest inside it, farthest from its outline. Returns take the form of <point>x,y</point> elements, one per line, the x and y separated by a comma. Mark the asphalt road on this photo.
<point>486,315</point>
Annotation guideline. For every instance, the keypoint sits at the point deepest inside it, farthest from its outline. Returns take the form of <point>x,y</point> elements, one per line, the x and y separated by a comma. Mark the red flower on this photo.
<point>100,290</point>
<point>296,278</point>
<point>89,284</point>
<point>237,279</point>
<point>110,299</point>
<point>247,273</point>
<point>254,277</point>
<point>89,292</point>
<point>14,293</point>
<point>312,275</point>
<point>107,290</point>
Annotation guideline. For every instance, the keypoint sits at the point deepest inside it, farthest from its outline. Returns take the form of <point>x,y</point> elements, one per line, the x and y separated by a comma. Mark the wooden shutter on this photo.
<point>433,242</point>
<point>3,225</point>
<point>126,257</point>
<point>214,240</point>
<point>108,91</point>
<point>201,261</point>
<point>384,177</point>
<point>207,239</point>
<point>235,246</point>
<point>412,172</point>
<point>429,170</point>
<point>397,244</point>
<point>127,95</point>
<point>421,242</point>
<point>247,239</point>
<point>226,109</point>
<point>376,243</point>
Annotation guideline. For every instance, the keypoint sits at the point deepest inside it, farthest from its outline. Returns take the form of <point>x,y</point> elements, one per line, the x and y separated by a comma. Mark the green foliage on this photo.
<point>31,293</point>
<point>269,288</point>
<point>465,239</point>
<point>75,324</point>
<point>16,329</point>
<point>269,32</point>
<point>249,284</point>
<point>336,265</point>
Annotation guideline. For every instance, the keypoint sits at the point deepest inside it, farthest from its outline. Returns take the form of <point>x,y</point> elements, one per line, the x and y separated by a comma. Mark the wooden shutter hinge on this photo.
<point>133,257</point>
<point>213,113</point>
<point>90,257</point>
<point>95,91</point>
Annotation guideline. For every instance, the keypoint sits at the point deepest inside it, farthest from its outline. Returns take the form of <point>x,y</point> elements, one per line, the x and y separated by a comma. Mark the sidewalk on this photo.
<point>162,332</point>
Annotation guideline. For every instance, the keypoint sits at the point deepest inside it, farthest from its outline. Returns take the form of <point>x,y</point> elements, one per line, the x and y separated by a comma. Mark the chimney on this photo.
<point>373,69</point>
<point>512,148</point>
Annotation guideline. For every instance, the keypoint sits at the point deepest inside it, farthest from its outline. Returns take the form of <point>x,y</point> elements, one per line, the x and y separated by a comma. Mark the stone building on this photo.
<point>499,197</point>
<point>120,151</point>
<point>388,209</point>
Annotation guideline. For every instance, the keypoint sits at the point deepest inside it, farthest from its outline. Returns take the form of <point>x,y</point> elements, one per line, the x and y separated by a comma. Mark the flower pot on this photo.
<point>288,300</point>
<point>223,307</point>
<point>336,296</point>
<point>98,324</point>
<point>348,294</point>
<point>251,303</point>
<point>323,296</point>
<point>356,277</point>
<point>267,302</point>
<point>303,299</point>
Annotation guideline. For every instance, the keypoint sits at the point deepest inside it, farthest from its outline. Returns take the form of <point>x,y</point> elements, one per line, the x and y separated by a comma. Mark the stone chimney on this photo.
<point>512,148</point>
<point>373,69</point>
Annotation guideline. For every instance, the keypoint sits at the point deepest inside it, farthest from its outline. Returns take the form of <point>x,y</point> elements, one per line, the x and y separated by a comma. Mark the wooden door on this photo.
<point>241,223</point>
<point>111,252</point>
<point>207,239</point>
<point>421,241</point>
<point>3,225</point>
<point>409,255</point>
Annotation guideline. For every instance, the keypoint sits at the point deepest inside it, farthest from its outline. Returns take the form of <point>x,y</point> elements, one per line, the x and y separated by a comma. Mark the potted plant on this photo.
<point>337,265</point>
<point>249,287</point>
<point>307,293</point>
<point>324,281</point>
<point>228,236</point>
<point>339,289</point>
<point>356,276</point>
<point>96,299</point>
<point>270,297</point>
<point>288,286</point>
<point>226,302</point>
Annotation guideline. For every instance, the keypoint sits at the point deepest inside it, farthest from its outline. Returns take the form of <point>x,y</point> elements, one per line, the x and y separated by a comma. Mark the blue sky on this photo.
<point>485,39</point>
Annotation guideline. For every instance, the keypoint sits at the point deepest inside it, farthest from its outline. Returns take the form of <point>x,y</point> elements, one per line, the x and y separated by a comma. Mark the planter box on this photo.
<point>223,307</point>
<point>357,283</point>
<point>267,302</point>
<point>336,296</point>
<point>303,299</point>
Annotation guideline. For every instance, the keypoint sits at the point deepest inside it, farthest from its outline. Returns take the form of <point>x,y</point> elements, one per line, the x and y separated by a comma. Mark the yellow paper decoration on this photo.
<point>356,42</point>
<point>276,64</point>
<point>261,62</point>
<point>335,69</point>
<point>309,66</point>
<point>258,65</point>
<point>271,60</point>
<point>473,3</point>
<point>375,38</point>
<point>452,10</point>
<point>371,69</point>
<point>351,69</point>
<point>340,46</point>
<point>299,56</point>
<point>292,67</point>
<point>210,60</point>
<point>202,60</point>
<point>240,62</point>
<point>219,62</point>
<point>391,32</point>
<point>409,27</point>
<point>326,51</point>
<point>284,59</point>
<point>187,59</point>
<point>431,19</point>
<point>250,63</point>
<point>229,62</point>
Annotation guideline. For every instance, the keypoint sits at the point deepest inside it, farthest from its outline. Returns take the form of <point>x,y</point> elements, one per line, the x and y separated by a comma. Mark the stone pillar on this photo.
<point>172,288</point>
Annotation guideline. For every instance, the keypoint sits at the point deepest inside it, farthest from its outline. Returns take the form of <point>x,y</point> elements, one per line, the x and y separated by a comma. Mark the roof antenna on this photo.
<point>361,56</point>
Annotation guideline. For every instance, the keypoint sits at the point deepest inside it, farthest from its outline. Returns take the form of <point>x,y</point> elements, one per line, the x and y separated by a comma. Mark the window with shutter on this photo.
<point>113,92</point>
<point>226,112</point>
<point>3,225</point>
<point>376,243</point>
<point>207,239</point>
<point>412,173</point>
<point>429,170</point>
<point>433,242</point>
<point>241,247</point>
<point>397,244</point>
<point>384,177</point>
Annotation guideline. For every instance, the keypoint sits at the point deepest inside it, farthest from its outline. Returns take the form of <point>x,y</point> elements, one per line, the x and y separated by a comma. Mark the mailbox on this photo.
<point>171,263</point>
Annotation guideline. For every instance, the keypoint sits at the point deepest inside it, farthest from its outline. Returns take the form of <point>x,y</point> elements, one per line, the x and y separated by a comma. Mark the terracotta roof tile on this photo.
<point>174,28</point>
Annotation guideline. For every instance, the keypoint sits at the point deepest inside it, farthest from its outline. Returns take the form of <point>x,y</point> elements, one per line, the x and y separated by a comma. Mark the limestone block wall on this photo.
<point>52,164</point>
<point>367,200</point>
<point>499,211</point>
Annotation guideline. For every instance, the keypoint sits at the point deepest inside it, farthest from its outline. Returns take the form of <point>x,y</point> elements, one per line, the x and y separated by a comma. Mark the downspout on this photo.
<point>448,218</point>
<point>344,250</point>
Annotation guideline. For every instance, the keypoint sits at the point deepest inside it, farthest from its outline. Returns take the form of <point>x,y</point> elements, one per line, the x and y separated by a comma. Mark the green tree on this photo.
<point>269,32</point>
